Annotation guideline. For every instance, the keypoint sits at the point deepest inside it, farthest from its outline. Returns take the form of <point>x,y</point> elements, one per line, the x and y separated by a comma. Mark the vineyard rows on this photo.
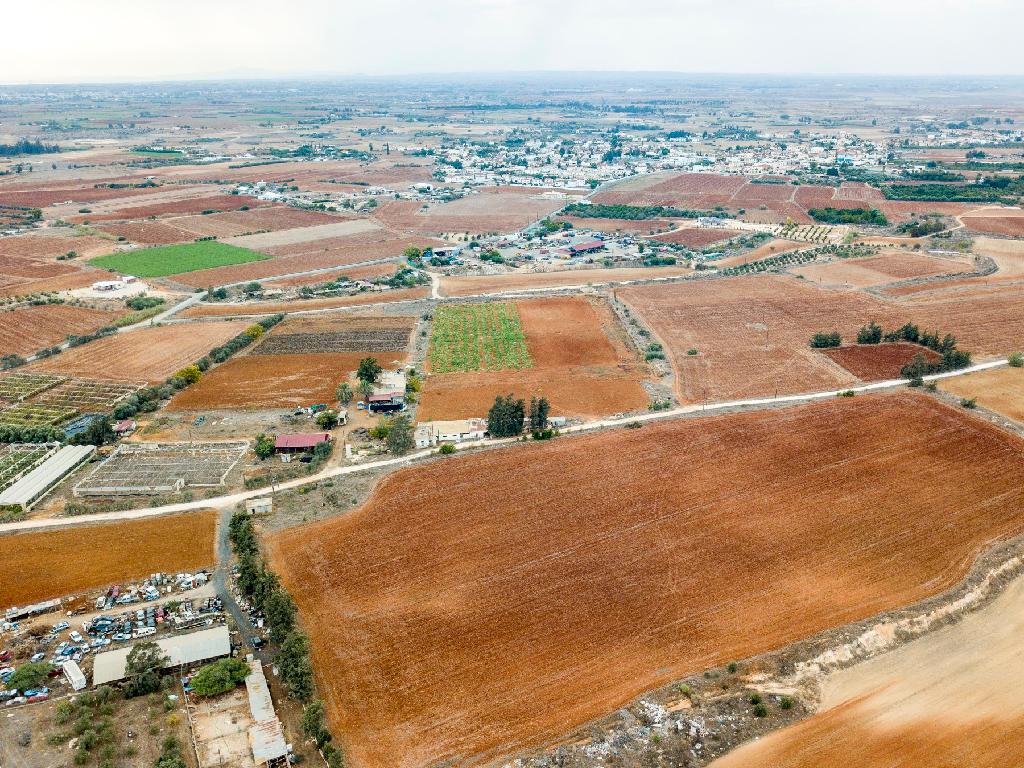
<point>475,337</point>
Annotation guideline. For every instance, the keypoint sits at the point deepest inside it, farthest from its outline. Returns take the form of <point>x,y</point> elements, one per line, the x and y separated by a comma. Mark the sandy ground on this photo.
<point>1000,390</point>
<point>951,698</point>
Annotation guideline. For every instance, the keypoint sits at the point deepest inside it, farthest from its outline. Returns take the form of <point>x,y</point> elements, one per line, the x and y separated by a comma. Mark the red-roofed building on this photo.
<point>300,442</point>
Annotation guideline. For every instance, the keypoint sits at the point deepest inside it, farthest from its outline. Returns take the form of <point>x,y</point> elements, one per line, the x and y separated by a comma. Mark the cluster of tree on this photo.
<point>26,147</point>
<point>826,340</point>
<point>988,191</point>
<point>637,212</point>
<point>849,216</point>
<point>950,358</point>
<point>921,228</point>
<point>244,339</point>
<point>219,677</point>
<point>263,589</point>
<point>139,303</point>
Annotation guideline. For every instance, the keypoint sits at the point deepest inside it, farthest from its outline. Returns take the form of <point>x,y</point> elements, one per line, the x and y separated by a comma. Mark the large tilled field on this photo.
<point>455,618</point>
<point>753,333</point>
<point>49,564</point>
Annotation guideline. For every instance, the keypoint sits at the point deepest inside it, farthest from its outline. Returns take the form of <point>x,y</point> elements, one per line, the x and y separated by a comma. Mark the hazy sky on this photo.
<point>122,40</point>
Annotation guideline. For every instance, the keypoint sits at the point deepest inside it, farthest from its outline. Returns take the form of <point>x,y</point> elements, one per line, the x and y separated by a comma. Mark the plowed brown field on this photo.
<point>580,365</point>
<point>877,362</point>
<point>951,699</point>
<point>90,556</point>
<point>753,333</point>
<point>148,354</point>
<point>455,618</point>
<point>275,381</point>
<point>29,329</point>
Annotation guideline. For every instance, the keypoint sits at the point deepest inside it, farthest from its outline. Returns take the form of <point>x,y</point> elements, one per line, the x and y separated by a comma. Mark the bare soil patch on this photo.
<point>455,619</point>
<point>48,564</point>
<point>147,354</point>
<point>28,329</point>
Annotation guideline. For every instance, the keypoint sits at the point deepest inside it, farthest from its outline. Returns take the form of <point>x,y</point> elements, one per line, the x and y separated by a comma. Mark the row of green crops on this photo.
<point>474,337</point>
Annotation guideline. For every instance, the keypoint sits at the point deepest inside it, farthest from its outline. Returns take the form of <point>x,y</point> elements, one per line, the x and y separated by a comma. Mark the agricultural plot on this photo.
<point>571,581</point>
<point>318,336</point>
<point>36,415</point>
<point>148,354</point>
<point>752,334</point>
<point>175,259</point>
<point>116,552</point>
<point>141,469</point>
<point>580,362</point>
<point>274,381</point>
<point>27,330</point>
<point>88,395</point>
<point>473,337</point>
<point>18,459</point>
<point>21,385</point>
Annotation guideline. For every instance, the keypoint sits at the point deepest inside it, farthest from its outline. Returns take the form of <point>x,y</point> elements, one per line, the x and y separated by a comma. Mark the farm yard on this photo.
<point>580,362</point>
<point>136,469</point>
<point>897,707</point>
<point>26,330</point>
<point>769,553</point>
<point>753,333</point>
<point>147,354</point>
<point>273,381</point>
<point>175,259</point>
<point>116,552</point>
<point>471,337</point>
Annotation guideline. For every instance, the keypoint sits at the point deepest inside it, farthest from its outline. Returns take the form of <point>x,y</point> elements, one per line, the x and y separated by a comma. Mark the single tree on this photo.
<point>145,662</point>
<point>400,436</point>
<point>369,370</point>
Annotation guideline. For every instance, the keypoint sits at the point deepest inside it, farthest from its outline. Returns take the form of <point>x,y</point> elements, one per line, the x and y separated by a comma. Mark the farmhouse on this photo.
<point>300,442</point>
<point>457,431</point>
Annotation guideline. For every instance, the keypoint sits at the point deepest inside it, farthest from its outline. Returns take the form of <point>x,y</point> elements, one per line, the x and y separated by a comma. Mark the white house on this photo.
<point>459,431</point>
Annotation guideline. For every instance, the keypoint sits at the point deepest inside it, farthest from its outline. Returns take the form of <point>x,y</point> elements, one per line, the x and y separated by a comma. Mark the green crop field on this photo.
<point>175,259</point>
<point>474,337</point>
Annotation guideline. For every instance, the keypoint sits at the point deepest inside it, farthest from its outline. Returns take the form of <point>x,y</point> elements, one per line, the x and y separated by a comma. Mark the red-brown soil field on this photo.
<point>275,381</point>
<point>454,619</point>
<point>90,556</point>
<point>474,285</point>
<point>29,329</point>
<point>753,333</point>
<point>877,362</point>
<point>299,305</point>
<point>581,364</point>
<point>147,354</point>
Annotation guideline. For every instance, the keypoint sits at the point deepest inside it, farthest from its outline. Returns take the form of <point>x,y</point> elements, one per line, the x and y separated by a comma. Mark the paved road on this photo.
<point>229,501</point>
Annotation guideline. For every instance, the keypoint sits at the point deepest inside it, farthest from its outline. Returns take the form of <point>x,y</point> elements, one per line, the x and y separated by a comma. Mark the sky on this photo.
<point>72,41</point>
